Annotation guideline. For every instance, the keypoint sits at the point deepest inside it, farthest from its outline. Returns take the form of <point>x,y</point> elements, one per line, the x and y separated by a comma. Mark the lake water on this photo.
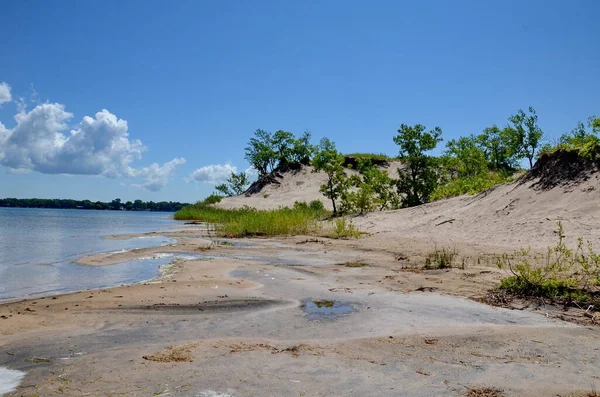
<point>38,247</point>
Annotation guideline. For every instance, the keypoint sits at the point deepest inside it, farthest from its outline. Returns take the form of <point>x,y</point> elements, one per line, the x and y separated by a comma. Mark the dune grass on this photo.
<point>468,185</point>
<point>247,222</point>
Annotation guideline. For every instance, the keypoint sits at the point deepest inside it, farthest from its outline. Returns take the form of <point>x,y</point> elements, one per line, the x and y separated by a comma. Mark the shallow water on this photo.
<point>325,309</point>
<point>9,379</point>
<point>38,246</point>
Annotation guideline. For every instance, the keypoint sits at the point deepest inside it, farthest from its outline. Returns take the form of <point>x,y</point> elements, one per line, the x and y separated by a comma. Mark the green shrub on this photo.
<point>370,156</point>
<point>468,185</point>
<point>563,272</point>
<point>317,205</point>
<point>343,228</point>
<point>212,199</point>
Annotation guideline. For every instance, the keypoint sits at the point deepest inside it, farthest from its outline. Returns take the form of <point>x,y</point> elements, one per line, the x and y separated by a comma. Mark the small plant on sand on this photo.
<point>441,259</point>
<point>574,274</point>
<point>343,228</point>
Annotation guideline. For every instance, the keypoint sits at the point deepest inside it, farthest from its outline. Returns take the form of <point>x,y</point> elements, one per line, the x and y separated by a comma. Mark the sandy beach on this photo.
<point>295,316</point>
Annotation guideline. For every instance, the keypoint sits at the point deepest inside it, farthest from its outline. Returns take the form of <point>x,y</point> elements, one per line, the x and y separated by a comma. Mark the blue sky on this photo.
<point>194,79</point>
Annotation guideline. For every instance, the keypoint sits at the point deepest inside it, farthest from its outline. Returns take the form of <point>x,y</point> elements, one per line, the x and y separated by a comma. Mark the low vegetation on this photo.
<point>562,272</point>
<point>444,258</point>
<point>343,229</point>
<point>302,219</point>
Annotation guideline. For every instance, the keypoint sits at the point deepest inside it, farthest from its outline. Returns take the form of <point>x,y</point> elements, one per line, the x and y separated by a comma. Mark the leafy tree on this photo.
<point>496,145</point>
<point>469,158</point>
<point>235,185</point>
<point>303,150</point>
<point>260,152</point>
<point>418,179</point>
<point>380,184</point>
<point>581,136</point>
<point>525,134</point>
<point>115,204</point>
<point>266,151</point>
<point>331,162</point>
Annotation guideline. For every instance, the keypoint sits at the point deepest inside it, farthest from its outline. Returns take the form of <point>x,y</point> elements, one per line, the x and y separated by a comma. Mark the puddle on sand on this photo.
<point>325,309</point>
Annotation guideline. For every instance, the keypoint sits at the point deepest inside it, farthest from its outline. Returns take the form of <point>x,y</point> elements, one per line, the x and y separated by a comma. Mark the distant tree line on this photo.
<point>115,205</point>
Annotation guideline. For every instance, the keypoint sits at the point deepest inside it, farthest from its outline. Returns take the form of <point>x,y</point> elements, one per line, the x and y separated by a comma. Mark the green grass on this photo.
<point>343,229</point>
<point>246,222</point>
<point>469,185</point>
<point>441,259</point>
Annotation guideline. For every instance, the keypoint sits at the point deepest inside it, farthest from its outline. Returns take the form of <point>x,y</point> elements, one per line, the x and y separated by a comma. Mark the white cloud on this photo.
<point>42,141</point>
<point>5,95</point>
<point>214,174</point>
<point>218,173</point>
<point>156,176</point>
<point>252,173</point>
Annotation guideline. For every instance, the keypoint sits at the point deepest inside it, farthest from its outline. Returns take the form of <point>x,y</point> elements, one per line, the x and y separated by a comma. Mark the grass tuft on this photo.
<point>441,259</point>
<point>343,229</point>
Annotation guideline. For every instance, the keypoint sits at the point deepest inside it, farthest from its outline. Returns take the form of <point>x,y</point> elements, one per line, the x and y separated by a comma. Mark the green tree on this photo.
<point>260,152</point>
<point>236,184</point>
<point>581,136</point>
<point>303,150</point>
<point>418,178</point>
<point>496,145</point>
<point>115,204</point>
<point>525,134</point>
<point>470,159</point>
<point>331,162</point>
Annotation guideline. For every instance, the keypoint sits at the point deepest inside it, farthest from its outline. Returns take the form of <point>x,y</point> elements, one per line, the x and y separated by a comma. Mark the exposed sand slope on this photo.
<point>300,185</point>
<point>510,215</point>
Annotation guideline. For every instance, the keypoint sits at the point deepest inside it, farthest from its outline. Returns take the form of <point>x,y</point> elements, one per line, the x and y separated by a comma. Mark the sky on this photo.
<point>156,100</point>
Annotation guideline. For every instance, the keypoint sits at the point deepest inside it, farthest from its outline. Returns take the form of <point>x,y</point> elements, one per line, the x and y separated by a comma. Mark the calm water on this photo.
<point>38,246</point>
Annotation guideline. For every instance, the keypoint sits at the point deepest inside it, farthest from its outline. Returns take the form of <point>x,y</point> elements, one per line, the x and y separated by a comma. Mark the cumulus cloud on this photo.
<point>218,173</point>
<point>157,176</point>
<point>43,141</point>
<point>214,174</point>
<point>5,95</point>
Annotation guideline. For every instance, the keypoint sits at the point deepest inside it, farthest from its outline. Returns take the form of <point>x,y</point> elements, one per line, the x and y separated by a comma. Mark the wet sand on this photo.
<point>295,316</point>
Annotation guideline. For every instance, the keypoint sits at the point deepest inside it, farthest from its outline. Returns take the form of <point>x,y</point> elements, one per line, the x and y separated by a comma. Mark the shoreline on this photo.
<point>243,305</point>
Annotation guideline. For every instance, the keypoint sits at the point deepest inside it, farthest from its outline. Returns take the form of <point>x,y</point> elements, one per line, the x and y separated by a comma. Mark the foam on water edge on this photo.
<point>9,379</point>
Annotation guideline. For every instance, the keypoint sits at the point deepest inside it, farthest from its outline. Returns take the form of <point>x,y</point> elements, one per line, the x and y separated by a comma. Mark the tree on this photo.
<point>115,204</point>
<point>525,134</point>
<point>260,152</point>
<point>235,185</point>
<point>419,178</point>
<point>303,150</point>
<point>266,152</point>
<point>581,136</point>
<point>496,145</point>
<point>470,159</point>
<point>328,160</point>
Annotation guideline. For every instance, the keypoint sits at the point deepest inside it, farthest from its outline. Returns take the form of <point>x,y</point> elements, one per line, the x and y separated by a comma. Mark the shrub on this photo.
<point>317,205</point>
<point>212,199</point>
<point>235,185</point>
<point>343,228</point>
<point>564,272</point>
<point>468,185</point>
